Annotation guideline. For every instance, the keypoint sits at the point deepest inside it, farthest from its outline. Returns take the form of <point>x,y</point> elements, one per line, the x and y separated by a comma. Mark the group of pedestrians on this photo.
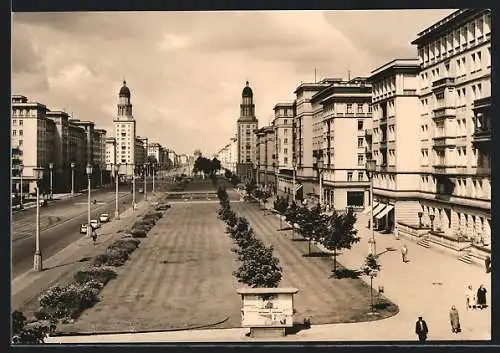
<point>474,300</point>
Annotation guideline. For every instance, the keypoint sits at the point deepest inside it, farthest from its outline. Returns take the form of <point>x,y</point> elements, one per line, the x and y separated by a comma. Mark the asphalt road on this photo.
<point>59,235</point>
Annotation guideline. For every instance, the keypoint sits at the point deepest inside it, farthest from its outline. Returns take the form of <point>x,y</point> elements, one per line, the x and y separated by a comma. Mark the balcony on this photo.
<point>383,121</point>
<point>368,133</point>
<point>483,170</point>
<point>481,104</point>
<point>441,142</point>
<point>409,92</point>
<point>383,145</point>
<point>368,149</point>
<point>442,83</point>
<point>481,137</point>
<point>444,168</point>
<point>443,113</point>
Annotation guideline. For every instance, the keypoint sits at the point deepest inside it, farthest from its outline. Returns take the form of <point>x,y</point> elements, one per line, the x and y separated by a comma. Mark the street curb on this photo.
<point>106,333</point>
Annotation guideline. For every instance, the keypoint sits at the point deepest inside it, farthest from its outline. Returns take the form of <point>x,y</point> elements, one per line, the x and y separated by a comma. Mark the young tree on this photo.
<point>280,206</point>
<point>291,215</point>
<point>228,174</point>
<point>260,268</point>
<point>371,267</point>
<point>340,233</point>
<point>250,188</point>
<point>312,224</point>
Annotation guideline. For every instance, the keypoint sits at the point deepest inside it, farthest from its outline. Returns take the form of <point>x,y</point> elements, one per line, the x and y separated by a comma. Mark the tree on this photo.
<point>259,268</point>
<point>340,233</point>
<point>280,206</point>
<point>216,165</point>
<point>312,224</point>
<point>371,267</point>
<point>227,174</point>
<point>197,153</point>
<point>250,187</point>
<point>235,180</point>
<point>291,215</point>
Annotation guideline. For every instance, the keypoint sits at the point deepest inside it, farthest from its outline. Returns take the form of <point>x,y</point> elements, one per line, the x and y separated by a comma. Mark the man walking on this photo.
<point>404,253</point>
<point>421,329</point>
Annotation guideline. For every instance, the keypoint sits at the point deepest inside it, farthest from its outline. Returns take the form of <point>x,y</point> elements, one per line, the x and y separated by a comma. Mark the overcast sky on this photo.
<point>186,70</point>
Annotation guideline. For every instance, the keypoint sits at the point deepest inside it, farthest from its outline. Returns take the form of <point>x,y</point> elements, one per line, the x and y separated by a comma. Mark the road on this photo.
<point>65,228</point>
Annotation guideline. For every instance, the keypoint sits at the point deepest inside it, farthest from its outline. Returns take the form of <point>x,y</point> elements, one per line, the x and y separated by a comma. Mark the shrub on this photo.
<point>154,215</point>
<point>70,301</point>
<point>100,274</point>
<point>28,333</point>
<point>128,245</point>
<point>113,257</point>
<point>139,233</point>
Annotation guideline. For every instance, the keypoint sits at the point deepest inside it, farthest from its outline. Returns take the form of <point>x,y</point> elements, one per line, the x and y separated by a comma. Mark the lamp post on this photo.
<point>73,165</point>
<point>100,170</point>
<point>294,166</point>
<point>370,169</point>
<point>420,214</point>
<point>117,171</point>
<point>89,177</point>
<point>153,172</point>
<point>145,182</point>
<point>431,217</point>
<point>37,261</point>
<point>319,165</point>
<point>133,187</point>
<point>51,168</point>
<point>21,169</point>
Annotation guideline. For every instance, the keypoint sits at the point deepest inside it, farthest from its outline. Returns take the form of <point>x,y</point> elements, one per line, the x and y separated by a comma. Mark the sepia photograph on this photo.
<point>284,176</point>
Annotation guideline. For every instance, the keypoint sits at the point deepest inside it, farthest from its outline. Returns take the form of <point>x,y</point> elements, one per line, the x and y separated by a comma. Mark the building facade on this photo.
<point>396,134</point>
<point>110,153</point>
<point>246,125</point>
<point>341,113</point>
<point>125,133</point>
<point>455,140</point>
<point>266,158</point>
<point>284,147</point>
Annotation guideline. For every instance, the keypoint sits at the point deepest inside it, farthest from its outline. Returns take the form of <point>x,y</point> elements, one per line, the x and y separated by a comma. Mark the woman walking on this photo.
<point>481,297</point>
<point>454,320</point>
<point>470,298</point>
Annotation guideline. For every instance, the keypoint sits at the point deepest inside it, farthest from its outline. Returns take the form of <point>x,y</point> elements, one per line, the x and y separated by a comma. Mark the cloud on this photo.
<point>186,70</point>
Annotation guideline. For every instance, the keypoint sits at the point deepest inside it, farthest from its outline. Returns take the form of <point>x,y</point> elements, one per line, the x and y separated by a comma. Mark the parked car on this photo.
<point>43,203</point>
<point>104,217</point>
<point>94,223</point>
<point>83,228</point>
<point>141,190</point>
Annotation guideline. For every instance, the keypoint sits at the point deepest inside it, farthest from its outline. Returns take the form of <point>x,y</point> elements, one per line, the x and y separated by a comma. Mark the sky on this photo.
<point>186,70</point>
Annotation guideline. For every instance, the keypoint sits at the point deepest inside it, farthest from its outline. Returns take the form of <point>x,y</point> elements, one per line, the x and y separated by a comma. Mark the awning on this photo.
<point>378,208</point>
<point>384,212</point>
<point>369,208</point>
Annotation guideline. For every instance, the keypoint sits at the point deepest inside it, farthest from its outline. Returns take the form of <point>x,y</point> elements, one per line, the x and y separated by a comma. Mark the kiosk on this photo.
<point>267,311</point>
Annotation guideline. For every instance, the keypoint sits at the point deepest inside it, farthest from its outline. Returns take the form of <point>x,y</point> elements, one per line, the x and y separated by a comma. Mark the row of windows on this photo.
<point>14,132</point>
<point>14,122</point>
<point>350,175</point>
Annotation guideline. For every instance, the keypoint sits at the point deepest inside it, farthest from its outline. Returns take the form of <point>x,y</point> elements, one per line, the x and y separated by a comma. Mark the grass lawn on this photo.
<point>180,276</point>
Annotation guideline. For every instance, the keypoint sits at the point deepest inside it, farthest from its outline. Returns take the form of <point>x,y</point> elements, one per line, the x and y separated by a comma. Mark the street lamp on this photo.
<point>153,172</point>
<point>145,181</point>
<point>133,187</point>
<point>51,168</point>
<point>319,165</point>
<point>431,217</point>
<point>420,214</point>
<point>89,177</point>
<point>294,166</point>
<point>117,173</point>
<point>73,165</point>
<point>370,169</point>
<point>21,168</point>
<point>37,262</point>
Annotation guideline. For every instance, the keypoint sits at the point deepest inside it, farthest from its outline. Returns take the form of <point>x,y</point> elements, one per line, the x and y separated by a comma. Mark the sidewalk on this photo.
<point>29,285</point>
<point>55,197</point>
<point>426,286</point>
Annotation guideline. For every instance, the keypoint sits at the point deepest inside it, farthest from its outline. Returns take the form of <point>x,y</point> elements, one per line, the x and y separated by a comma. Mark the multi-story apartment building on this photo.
<point>454,92</point>
<point>60,146</point>
<point>125,133</point>
<point>341,113</point>
<point>265,161</point>
<point>141,146</point>
<point>110,153</point>
<point>32,140</point>
<point>247,124</point>
<point>303,133</point>
<point>228,155</point>
<point>395,142</point>
<point>155,150</point>
<point>284,139</point>
<point>99,155</point>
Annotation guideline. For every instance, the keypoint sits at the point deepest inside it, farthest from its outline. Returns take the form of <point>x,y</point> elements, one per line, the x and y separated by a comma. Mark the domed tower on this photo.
<point>247,124</point>
<point>125,133</point>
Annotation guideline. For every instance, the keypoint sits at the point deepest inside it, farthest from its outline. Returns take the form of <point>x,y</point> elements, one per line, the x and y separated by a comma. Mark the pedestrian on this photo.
<point>487,264</point>
<point>454,320</point>
<point>93,234</point>
<point>421,329</point>
<point>481,297</point>
<point>404,253</point>
<point>470,298</point>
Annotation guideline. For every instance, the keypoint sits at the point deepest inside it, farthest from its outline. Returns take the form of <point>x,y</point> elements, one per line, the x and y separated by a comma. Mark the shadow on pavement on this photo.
<point>83,259</point>
<point>317,254</point>
<point>297,327</point>
<point>345,273</point>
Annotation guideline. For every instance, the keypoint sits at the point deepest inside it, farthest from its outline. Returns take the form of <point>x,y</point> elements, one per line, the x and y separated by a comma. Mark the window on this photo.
<point>369,108</point>
<point>360,108</point>
<point>349,176</point>
<point>355,198</point>
<point>285,131</point>
<point>360,159</point>
<point>360,142</point>
<point>285,121</point>
<point>285,150</point>
<point>20,132</point>
<point>20,142</point>
<point>20,121</point>
<point>14,122</point>
<point>360,124</point>
<point>349,108</point>
<point>285,141</point>
<point>14,132</point>
<point>360,176</point>
<point>285,160</point>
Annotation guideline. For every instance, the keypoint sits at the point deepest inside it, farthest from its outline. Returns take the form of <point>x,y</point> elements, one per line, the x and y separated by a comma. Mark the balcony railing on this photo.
<point>482,103</point>
<point>481,136</point>
<point>444,112</point>
<point>443,82</point>
<point>443,141</point>
<point>409,92</point>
